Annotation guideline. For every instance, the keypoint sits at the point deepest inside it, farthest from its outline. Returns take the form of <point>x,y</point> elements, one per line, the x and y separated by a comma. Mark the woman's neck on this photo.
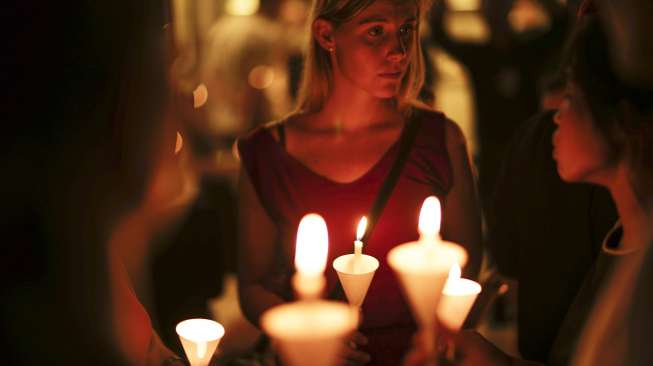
<point>350,109</point>
<point>636,216</point>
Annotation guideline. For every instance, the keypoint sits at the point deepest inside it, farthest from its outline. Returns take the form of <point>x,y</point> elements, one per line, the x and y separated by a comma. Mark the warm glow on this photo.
<point>179,144</point>
<point>312,245</point>
<point>200,330</point>
<point>200,96</point>
<point>454,272</point>
<point>362,226</point>
<point>261,77</point>
<point>242,7</point>
<point>528,15</point>
<point>468,27</point>
<point>430,217</point>
<point>463,5</point>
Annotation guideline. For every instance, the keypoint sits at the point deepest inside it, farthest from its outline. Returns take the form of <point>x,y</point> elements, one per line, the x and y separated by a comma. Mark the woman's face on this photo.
<point>372,51</point>
<point>579,148</point>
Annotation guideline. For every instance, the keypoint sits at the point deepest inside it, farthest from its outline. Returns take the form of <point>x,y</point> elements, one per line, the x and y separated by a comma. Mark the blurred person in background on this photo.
<point>362,76</point>
<point>505,70</point>
<point>629,23</point>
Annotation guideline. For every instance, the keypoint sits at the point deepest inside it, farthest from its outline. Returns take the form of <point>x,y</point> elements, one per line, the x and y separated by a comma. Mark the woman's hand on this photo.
<point>352,355</point>
<point>472,349</point>
<point>468,348</point>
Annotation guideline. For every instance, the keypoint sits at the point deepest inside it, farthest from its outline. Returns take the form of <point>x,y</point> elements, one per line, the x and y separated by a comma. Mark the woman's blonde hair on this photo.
<point>317,77</point>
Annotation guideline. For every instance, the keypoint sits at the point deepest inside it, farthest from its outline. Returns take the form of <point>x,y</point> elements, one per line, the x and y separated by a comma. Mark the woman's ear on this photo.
<point>323,33</point>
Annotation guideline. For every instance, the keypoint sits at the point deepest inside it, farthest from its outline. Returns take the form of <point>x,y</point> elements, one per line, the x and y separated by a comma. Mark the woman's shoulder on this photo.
<point>436,122</point>
<point>271,128</point>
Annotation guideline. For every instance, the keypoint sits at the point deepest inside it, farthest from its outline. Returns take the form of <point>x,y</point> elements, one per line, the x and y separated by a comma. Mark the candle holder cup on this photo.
<point>200,338</point>
<point>355,274</point>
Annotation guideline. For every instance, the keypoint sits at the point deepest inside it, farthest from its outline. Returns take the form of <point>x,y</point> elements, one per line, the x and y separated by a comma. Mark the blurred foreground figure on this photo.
<point>83,90</point>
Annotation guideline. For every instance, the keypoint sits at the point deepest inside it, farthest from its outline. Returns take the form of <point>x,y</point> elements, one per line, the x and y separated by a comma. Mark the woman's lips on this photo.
<point>391,75</point>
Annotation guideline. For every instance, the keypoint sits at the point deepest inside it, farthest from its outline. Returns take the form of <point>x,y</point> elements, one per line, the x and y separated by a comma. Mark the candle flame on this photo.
<point>454,272</point>
<point>362,226</point>
<point>430,217</point>
<point>312,245</point>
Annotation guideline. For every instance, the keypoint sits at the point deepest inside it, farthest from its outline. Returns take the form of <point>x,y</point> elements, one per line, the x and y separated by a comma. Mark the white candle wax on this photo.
<point>358,248</point>
<point>360,231</point>
<point>458,296</point>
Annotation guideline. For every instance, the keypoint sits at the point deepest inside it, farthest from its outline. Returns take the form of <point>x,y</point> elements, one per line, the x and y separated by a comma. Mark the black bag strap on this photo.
<point>406,142</point>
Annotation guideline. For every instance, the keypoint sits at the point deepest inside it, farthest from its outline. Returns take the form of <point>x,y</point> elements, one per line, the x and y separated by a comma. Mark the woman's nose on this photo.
<point>397,50</point>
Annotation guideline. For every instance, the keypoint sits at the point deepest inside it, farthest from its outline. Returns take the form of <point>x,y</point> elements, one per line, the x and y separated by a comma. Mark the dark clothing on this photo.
<point>544,233</point>
<point>597,278</point>
<point>505,76</point>
<point>194,256</point>
<point>640,317</point>
<point>288,190</point>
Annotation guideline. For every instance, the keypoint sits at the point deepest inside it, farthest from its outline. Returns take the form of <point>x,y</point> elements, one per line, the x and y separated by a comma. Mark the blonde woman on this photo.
<point>363,71</point>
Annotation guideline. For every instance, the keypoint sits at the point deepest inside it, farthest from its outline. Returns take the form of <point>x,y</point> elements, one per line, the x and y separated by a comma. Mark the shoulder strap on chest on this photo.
<point>406,142</point>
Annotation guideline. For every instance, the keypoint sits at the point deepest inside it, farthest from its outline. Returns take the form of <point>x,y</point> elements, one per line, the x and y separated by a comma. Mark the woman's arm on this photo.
<point>256,252</point>
<point>462,217</point>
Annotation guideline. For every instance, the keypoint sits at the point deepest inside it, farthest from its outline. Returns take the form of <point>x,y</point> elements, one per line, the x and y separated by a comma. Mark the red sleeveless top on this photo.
<point>288,190</point>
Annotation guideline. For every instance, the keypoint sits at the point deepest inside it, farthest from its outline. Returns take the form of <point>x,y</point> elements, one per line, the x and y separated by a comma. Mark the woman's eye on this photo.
<point>375,31</point>
<point>406,30</point>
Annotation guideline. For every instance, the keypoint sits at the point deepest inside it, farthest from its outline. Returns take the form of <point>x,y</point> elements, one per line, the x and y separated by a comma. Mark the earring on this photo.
<point>331,49</point>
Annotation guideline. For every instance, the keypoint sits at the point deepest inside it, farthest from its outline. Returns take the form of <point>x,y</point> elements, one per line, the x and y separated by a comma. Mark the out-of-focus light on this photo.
<point>464,5</point>
<point>242,7</point>
<point>527,15</point>
<point>179,144</point>
<point>200,96</point>
<point>429,218</point>
<point>294,11</point>
<point>312,245</point>
<point>261,77</point>
<point>467,26</point>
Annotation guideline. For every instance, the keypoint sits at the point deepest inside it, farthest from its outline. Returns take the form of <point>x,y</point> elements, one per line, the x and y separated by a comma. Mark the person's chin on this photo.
<point>386,91</point>
<point>568,175</point>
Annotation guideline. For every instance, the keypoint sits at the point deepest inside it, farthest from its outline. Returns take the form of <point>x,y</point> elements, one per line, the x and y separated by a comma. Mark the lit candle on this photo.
<point>310,332</point>
<point>430,218</point>
<point>356,271</point>
<point>311,251</point>
<point>360,231</point>
<point>422,268</point>
<point>200,338</point>
<point>458,296</point>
